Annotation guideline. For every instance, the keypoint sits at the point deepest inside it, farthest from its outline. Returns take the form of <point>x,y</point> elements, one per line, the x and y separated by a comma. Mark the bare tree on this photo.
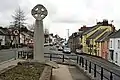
<point>19,18</point>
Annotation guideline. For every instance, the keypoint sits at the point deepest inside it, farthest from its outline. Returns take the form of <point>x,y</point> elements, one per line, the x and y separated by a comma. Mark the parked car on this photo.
<point>53,48</point>
<point>60,49</point>
<point>79,51</point>
<point>51,44</point>
<point>66,50</point>
<point>57,45</point>
<point>30,45</point>
<point>46,44</point>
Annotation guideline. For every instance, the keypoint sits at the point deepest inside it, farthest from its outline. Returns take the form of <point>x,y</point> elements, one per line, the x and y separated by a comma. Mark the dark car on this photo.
<point>60,49</point>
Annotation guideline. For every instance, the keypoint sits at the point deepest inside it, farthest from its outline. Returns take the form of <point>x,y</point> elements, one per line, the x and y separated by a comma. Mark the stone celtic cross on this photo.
<point>39,12</point>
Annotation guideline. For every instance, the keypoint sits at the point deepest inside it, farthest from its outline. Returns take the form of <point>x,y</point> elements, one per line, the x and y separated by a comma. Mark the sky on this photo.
<point>64,14</point>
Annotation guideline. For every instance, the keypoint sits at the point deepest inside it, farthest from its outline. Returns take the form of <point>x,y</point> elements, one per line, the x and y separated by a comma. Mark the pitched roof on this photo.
<point>116,34</point>
<point>30,33</point>
<point>91,29</point>
<point>84,28</point>
<point>94,35</point>
<point>104,36</point>
<point>4,31</point>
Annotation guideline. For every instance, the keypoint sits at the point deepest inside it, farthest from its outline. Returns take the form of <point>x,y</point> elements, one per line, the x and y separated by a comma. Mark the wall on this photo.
<point>104,50</point>
<point>85,36</point>
<point>3,39</point>
<point>116,50</point>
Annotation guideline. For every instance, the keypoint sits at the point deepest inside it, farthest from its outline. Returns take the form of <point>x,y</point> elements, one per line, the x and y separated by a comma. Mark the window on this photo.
<point>116,57</point>
<point>111,54</point>
<point>111,44</point>
<point>118,44</point>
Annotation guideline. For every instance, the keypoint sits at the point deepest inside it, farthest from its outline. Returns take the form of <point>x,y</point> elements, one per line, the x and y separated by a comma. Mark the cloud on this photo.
<point>65,13</point>
<point>7,5</point>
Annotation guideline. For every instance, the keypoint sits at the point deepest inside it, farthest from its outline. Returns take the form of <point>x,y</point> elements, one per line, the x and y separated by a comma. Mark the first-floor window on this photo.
<point>116,57</point>
<point>111,44</point>
<point>111,55</point>
<point>118,44</point>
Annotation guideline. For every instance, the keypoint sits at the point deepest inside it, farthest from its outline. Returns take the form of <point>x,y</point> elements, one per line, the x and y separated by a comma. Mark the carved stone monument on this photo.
<point>39,12</point>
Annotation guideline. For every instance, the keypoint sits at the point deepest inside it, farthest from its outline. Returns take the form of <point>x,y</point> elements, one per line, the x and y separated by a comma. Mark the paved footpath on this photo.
<point>65,72</point>
<point>68,73</point>
<point>61,73</point>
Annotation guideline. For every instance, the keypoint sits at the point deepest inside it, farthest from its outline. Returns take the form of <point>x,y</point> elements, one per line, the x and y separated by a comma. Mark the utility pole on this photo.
<point>68,33</point>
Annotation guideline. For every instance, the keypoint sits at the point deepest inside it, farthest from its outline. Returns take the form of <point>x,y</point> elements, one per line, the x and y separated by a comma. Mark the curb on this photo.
<point>7,61</point>
<point>86,73</point>
<point>78,67</point>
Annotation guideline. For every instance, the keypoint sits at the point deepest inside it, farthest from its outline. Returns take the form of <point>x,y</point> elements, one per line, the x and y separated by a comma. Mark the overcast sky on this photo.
<point>64,14</point>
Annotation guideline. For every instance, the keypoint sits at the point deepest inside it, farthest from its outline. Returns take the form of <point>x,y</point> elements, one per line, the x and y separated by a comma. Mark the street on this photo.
<point>99,63</point>
<point>8,54</point>
<point>58,56</point>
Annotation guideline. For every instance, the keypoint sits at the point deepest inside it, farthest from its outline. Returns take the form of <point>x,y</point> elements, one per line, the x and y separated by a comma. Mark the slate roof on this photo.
<point>4,31</point>
<point>116,34</point>
<point>104,36</point>
<point>91,29</point>
<point>94,35</point>
<point>84,29</point>
<point>30,33</point>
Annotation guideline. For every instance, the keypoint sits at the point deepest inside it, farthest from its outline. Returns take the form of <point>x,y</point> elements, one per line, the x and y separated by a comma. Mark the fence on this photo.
<point>98,71</point>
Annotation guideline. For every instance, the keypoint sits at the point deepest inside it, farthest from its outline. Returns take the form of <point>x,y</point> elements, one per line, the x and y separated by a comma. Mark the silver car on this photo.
<point>67,50</point>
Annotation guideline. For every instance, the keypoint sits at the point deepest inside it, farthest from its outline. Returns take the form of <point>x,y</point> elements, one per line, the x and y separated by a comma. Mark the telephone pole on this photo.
<point>68,33</point>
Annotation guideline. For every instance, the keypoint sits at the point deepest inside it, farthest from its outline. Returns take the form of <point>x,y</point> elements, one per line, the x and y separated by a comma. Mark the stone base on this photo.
<point>27,70</point>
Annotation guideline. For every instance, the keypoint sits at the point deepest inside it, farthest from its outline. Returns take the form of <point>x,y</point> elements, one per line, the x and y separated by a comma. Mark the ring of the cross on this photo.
<point>39,12</point>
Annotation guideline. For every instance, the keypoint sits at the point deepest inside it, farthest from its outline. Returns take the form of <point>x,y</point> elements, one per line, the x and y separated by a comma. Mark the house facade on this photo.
<point>25,37</point>
<point>75,40</point>
<point>90,46</point>
<point>102,45</point>
<point>114,48</point>
<point>5,36</point>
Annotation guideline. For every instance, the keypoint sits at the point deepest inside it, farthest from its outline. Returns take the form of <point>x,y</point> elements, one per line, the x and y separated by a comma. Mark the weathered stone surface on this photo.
<point>47,73</point>
<point>39,12</point>
<point>52,63</point>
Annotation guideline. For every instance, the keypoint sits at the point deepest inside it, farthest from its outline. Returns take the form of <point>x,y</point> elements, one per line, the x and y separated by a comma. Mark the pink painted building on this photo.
<point>103,42</point>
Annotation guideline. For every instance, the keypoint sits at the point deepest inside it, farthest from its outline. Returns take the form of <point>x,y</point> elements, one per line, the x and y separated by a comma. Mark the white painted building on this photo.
<point>114,48</point>
<point>26,38</point>
<point>4,36</point>
<point>2,39</point>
